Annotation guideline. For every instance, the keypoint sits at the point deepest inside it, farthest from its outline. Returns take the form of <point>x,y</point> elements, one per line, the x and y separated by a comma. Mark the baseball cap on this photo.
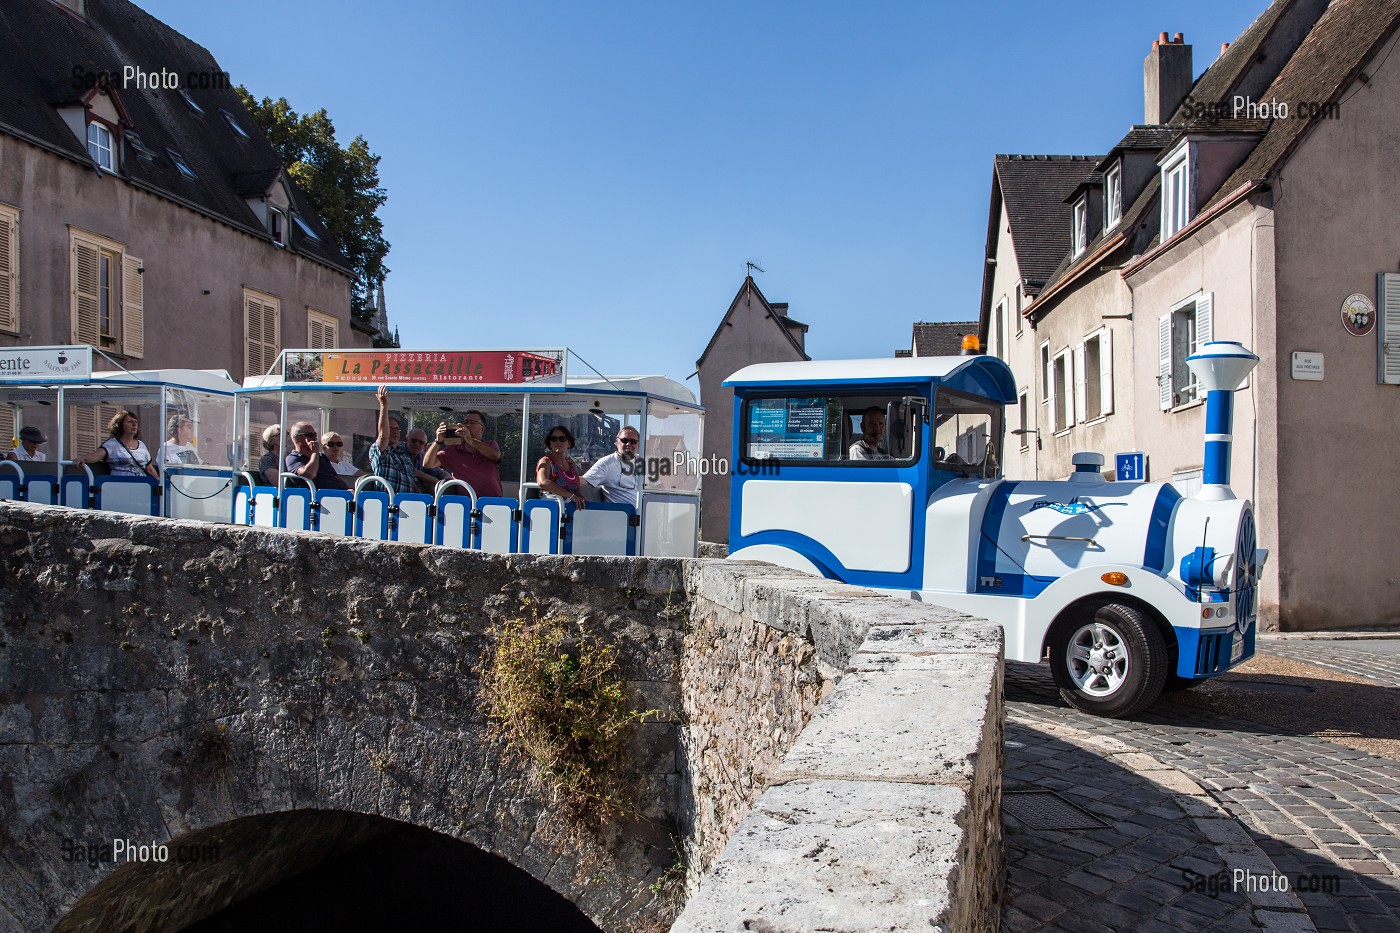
<point>32,435</point>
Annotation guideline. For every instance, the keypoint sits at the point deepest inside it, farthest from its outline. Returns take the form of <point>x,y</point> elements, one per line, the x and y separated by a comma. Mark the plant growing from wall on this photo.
<point>554,692</point>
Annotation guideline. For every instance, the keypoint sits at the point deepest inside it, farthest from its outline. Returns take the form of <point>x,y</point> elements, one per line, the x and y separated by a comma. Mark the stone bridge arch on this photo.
<point>163,678</point>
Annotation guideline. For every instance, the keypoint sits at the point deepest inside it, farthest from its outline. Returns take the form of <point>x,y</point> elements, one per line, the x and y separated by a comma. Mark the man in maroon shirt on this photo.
<point>474,461</point>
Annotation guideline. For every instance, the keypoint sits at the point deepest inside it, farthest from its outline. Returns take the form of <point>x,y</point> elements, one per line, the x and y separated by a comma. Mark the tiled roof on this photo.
<point>940,339</point>
<point>1349,33</point>
<point>45,43</point>
<point>1034,189</point>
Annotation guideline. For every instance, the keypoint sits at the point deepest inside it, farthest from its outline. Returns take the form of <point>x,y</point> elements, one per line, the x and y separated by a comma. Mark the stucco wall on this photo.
<point>1019,353</point>
<point>752,339</point>
<point>1336,229</point>
<point>184,254</point>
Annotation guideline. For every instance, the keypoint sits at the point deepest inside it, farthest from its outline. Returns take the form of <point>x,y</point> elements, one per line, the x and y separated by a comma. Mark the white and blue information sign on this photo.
<point>787,428</point>
<point>1132,468</point>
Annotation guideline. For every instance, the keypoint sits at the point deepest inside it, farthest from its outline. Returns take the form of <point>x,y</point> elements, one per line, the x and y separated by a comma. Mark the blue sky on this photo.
<point>596,174</point>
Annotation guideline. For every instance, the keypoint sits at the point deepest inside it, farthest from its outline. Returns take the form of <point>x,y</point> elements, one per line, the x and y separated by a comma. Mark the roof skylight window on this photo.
<point>190,100</point>
<point>234,124</point>
<point>179,162</point>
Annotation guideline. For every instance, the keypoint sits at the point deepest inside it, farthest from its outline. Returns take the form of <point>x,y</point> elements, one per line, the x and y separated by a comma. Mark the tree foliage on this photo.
<point>342,183</point>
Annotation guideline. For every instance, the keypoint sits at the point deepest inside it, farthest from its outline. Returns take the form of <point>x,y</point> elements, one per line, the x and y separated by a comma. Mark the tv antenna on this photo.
<point>751,265</point>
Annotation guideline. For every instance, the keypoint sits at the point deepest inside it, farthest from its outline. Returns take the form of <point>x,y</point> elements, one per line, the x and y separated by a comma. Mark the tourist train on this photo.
<point>1126,586</point>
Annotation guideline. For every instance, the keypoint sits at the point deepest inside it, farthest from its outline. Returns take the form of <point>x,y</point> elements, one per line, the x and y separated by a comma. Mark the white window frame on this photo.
<point>1177,388</point>
<point>104,155</point>
<point>126,294</point>
<point>1097,374</point>
<point>1062,392</point>
<point>999,329</point>
<point>1176,190</point>
<point>1079,233</point>
<point>1023,398</point>
<point>1113,195</point>
<point>1020,304</point>
<point>1045,363</point>
<point>277,225</point>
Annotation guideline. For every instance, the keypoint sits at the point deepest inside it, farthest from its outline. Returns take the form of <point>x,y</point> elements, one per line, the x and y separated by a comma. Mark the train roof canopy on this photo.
<point>983,375</point>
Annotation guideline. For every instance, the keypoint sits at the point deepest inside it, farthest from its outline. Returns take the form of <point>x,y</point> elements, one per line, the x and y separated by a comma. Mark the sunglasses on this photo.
<point>630,441</point>
<point>335,443</point>
<point>558,437</point>
<point>311,435</point>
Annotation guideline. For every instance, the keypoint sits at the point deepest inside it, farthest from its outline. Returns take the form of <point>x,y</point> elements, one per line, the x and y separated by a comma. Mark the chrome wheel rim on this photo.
<point>1097,659</point>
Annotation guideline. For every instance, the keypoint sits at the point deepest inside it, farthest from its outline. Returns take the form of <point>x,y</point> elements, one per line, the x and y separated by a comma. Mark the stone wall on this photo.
<point>162,680</point>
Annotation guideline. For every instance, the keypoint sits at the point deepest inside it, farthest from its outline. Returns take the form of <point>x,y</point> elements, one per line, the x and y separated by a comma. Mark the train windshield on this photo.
<point>967,429</point>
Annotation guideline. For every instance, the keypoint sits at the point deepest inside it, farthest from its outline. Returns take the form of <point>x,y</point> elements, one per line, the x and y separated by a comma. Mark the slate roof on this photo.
<point>943,338</point>
<point>1349,34</point>
<point>1034,189</point>
<point>44,43</point>
<point>776,312</point>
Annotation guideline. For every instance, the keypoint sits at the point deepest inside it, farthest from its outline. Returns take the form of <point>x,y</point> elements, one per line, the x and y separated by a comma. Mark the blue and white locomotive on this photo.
<point>1126,586</point>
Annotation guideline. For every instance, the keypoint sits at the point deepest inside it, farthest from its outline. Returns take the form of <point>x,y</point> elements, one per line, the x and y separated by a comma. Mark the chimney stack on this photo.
<point>1166,78</point>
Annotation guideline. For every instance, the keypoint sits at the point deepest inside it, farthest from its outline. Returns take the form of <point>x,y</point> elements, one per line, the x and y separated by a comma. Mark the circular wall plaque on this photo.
<point>1358,315</point>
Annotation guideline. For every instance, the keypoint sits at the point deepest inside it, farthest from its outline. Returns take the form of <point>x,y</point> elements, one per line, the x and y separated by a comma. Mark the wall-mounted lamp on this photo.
<point>1035,431</point>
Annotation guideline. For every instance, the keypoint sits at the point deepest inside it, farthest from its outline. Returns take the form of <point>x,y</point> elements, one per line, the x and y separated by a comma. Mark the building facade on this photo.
<point>753,330</point>
<point>1248,206</point>
<point>142,211</point>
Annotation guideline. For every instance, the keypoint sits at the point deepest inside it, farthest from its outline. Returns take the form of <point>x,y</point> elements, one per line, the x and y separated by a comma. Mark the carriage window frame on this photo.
<point>997,412</point>
<point>887,393</point>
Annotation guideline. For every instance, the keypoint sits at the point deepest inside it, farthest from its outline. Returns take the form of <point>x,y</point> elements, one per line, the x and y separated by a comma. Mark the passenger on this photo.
<point>617,473</point>
<point>268,467</point>
<point>388,459</point>
<point>417,445</point>
<point>333,446</point>
<point>556,473</point>
<point>28,450</point>
<point>474,461</point>
<point>124,451</point>
<point>179,448</point>
<point>871,445</point>
<point>306,461</point>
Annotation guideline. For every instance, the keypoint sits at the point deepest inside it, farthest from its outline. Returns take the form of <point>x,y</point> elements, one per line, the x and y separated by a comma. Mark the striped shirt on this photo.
<point>395,466</point>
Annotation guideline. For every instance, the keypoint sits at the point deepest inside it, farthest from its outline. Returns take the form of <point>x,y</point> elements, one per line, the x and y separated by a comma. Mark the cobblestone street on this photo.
<point>1196,807</point>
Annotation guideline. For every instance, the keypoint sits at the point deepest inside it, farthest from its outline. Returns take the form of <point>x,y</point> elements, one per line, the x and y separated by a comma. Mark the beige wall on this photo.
<point>1218,260</point>
<point>1337,227</point>
<point>1018,352</point>
<point>1066,326</point>
<point>184,253</point>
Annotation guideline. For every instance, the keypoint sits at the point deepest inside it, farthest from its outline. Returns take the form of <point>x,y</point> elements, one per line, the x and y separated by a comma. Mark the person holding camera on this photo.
<point>462,450</point>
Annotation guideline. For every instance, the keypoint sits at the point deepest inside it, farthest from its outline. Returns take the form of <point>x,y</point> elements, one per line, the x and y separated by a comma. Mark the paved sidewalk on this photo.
<point>1375,660</point>
<point>1187,793</point>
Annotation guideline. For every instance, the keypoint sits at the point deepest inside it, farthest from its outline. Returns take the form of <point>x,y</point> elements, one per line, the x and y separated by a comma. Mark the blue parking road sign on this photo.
<point>1132,468</point>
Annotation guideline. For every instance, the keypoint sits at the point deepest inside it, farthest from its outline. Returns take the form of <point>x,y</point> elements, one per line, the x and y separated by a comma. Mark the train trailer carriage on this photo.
<point>886,473</point>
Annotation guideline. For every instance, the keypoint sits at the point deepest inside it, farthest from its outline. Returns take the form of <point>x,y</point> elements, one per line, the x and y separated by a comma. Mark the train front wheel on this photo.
<point>1109,660</point>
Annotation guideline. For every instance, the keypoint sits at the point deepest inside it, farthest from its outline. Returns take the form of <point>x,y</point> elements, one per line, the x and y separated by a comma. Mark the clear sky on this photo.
<point>595,174</point>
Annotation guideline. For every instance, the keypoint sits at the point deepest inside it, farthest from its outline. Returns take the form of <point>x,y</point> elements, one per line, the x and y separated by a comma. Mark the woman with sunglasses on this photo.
<point>334,447</point>
<point>556,472</point>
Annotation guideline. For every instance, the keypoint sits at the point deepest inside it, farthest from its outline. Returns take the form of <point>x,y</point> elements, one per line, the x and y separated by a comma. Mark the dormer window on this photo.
<point>1113,196</point>
<point>1079,235</point>
<point>277,226</point>
<point>179,162</point>
<point>302,226</point>
<point>1176,191</point>
<point>99,144</point>
<point>185,95</point>
<point>234,124</point>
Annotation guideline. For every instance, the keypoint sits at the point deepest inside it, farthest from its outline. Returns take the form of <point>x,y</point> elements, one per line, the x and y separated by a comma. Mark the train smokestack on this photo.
<point>1220,368</point>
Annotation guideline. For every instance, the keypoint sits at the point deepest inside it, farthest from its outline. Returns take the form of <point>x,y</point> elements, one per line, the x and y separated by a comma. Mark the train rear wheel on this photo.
<point>1109,660</point>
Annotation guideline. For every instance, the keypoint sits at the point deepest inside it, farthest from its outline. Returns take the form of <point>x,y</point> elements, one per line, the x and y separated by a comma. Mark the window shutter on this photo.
<point>8,441</point>
<point>1050,393</point>
<point>1388,338</point>
<point>271,341</point>
<point>82,431</point>
<point>133,308</point>
<point>85,300</point>
<point>1081,400</point>
<point>9,273</point>
<point>1204,320</point>
<point>261,327</point>
<point>1164,362</point>
<point>316,333</point>
<point>1106,372</point>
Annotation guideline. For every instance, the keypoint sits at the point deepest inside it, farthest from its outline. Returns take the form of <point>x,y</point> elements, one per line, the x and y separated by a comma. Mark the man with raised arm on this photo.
<point>389,459</point>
